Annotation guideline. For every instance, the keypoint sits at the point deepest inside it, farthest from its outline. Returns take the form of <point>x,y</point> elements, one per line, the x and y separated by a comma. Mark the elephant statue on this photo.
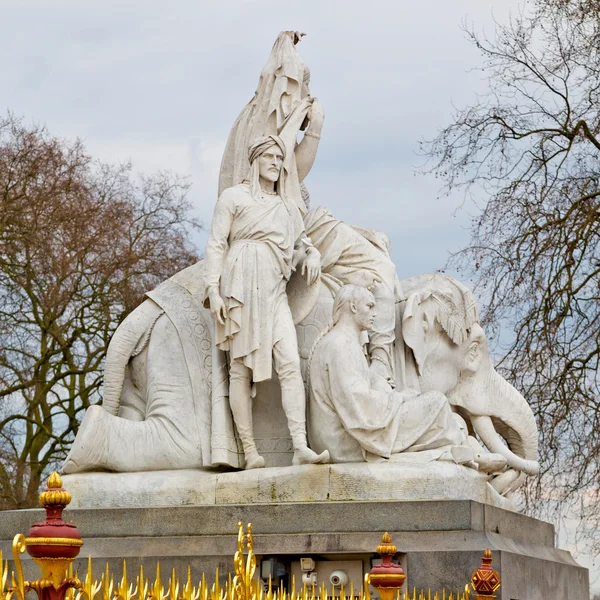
<point>446,347</point>
<point>441,346</point>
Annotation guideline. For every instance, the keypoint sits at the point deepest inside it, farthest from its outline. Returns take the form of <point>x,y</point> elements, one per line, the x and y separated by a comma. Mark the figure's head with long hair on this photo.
<point>266,156</point>
<point>350,298</point>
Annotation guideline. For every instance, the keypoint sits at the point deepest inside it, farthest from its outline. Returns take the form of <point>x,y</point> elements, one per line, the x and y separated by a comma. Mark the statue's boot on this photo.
<point>240,400</point>
<point>253,459</point>
<point>293,395</point>
<point>303,455</point>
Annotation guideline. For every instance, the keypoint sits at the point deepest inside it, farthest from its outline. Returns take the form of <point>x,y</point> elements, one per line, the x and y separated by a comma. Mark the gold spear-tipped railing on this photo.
<point>244,585</point>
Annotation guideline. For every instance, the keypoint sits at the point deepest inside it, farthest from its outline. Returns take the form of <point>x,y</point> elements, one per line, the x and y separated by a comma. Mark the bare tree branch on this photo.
<point>80,243</point>
<point>529,149</point>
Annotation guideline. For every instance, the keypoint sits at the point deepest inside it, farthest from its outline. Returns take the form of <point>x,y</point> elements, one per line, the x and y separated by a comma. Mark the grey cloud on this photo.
<point>161,85</point>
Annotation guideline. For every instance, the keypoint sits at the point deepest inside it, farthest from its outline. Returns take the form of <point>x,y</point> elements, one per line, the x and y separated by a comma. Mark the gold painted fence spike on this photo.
<point>55,480</point>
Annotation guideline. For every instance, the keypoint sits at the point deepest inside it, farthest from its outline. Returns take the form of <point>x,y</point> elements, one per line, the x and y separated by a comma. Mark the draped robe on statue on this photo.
<point>249,258</point>
<point>356,421</point>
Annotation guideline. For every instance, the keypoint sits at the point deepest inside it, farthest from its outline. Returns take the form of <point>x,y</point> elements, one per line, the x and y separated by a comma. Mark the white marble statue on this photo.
<point>440,345</point>
<point>165,390</point>
<point>180,379</point>
<point>256,232</point>
<point>143,423</point>
<point>446,350</point>
<point>357,416</point>
<point>353,255</point>
<point>281,106</point>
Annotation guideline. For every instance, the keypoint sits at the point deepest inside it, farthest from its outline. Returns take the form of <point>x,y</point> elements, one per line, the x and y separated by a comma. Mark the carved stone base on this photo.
<point>440,543</point>
<point>406,480</point>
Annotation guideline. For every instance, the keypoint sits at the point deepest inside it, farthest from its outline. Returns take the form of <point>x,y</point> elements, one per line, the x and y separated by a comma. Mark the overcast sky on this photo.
<point>161,83</point>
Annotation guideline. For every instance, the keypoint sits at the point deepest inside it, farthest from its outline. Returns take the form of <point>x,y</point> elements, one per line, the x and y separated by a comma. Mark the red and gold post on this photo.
<point>387,577</point>
<point>52,544</point>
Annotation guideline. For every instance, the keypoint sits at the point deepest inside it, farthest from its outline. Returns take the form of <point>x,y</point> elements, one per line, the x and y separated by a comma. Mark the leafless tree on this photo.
<point>528,151</point>
<point>80,243</point>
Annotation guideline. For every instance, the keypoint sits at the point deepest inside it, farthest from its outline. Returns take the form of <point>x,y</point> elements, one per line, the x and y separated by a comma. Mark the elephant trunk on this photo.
<point>489,436</point>
<point>499,412</point>
<point>117,357</point>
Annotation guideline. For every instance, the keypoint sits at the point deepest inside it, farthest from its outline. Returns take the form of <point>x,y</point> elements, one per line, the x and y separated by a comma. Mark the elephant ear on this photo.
<point>417,322</point>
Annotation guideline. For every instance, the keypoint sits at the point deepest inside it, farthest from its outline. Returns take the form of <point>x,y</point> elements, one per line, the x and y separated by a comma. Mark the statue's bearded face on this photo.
<point>269,163</point>
<point>446,360</point>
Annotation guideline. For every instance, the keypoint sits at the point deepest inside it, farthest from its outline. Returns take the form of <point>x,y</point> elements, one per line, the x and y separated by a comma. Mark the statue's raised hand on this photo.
<point>217,307</point>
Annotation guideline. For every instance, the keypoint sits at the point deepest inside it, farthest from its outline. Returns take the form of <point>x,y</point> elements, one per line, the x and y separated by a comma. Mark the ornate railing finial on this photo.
<point>387,578</point>
<point>485,580</point>
<point>53,545</point>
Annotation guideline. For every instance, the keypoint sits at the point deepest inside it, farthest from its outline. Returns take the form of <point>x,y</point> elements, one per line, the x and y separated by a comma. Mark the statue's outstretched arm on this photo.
<point>306,151</point>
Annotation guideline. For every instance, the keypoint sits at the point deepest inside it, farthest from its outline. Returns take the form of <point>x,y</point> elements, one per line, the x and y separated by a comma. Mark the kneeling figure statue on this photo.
<point>355,414</point>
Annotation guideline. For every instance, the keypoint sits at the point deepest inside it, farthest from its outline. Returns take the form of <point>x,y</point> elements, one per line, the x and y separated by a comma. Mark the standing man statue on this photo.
<point>257,238</point>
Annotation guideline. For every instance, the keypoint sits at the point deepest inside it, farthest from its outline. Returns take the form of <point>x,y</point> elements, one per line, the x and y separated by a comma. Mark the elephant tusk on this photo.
<point>505,481</point>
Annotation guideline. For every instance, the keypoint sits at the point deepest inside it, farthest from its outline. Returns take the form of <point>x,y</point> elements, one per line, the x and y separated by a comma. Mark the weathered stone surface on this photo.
<point>314,519</point>
<point>435,480</point>
<point>185,487</point>
<point>411,481</point>
<point>309,483</point>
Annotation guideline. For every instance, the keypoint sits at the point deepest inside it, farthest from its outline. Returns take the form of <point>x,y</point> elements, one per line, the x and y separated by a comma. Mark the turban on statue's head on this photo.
<point>258,147</point>
<point>262,144</point>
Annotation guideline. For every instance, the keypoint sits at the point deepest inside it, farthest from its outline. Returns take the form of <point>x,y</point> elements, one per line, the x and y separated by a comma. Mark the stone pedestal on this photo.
<point>440,542</point>
<point>402,479</point>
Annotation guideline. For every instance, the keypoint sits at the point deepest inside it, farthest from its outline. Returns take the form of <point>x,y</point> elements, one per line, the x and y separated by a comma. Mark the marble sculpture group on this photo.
<point>305,313</point>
